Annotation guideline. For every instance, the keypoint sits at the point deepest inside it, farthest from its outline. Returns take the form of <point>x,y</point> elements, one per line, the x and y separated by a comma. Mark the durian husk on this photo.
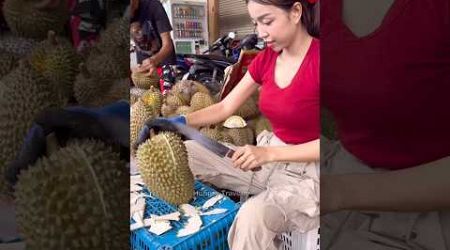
<point>212,133</point>
<point>74,199</point>
<point>201,100</point>
<point>163,163</point>
<point>88,87</point>
<point>27,19</point>
<point>135,94</point>
<point>183,110</point>
<point>119,90</point>
<point>174,100</point>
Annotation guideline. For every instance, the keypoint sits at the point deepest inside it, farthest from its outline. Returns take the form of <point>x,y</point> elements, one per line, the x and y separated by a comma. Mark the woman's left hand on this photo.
<point>249,157</point>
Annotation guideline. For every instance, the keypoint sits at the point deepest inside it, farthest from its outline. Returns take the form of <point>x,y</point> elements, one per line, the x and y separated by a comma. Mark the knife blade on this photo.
<point>212,145</point>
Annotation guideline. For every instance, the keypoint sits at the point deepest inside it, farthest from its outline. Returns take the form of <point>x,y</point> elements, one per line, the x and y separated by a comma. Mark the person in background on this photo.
<point>286,189</point>
<point>152,16</point>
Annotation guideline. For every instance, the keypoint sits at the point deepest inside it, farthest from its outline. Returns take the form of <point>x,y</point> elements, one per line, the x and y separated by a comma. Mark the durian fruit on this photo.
<point>153,97</point>
<point>198,87</point>
<point>87,87</point>
<point>201,100</point>
<point>119,90</point>
<point>173,99</point>
<point>135,94</point>
<point>184,89</point>
<point>74,199</point>
<point>139,114</point>
<point>164,166</point>
<point>183,110</point>
<point>212,133</point>
<point>33,19</point>
<point>142,81</point>
<point>23,94</point>
<point>115,38</point>
<point>249,109</point>
<point>241,136</point>
<point>225,137</point>
<point>107,66</point>
<point>8,61</point>
<point>168,110</point>
<point>261,124</point>
<point>58,62</point>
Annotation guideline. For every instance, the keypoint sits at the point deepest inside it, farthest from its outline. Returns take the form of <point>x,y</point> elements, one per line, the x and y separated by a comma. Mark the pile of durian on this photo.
<point>71,198</point>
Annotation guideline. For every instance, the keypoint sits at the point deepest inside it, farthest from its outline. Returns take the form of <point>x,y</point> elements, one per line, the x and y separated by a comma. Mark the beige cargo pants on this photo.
<point>354,230</point>
<point>286,195</point>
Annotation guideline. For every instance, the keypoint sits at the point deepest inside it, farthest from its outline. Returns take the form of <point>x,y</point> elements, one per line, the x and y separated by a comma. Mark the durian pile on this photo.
<point>72,197</point>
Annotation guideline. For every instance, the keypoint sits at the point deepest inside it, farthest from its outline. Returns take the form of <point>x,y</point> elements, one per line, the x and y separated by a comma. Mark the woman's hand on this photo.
<point>250,157</point>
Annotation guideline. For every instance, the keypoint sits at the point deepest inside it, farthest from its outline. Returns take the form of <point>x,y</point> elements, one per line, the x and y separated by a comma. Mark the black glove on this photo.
<point>109,124</point>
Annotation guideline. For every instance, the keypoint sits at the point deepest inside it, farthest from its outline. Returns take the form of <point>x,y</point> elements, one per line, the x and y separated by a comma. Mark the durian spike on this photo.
<point>47,4</point>
<point>51,37</point>
<point>84,71</point>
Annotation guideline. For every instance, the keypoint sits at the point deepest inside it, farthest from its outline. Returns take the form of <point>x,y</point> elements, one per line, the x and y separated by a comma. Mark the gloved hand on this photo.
<point>157,125</point>
<point>109,124</point>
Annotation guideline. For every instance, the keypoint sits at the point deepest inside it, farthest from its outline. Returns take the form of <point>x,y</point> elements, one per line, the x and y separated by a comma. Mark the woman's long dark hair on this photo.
<point>310,15</point>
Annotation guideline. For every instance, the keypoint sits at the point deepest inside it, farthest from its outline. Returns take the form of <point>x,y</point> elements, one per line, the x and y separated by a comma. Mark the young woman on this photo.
<point>287,188</point>
<point>386,82</point>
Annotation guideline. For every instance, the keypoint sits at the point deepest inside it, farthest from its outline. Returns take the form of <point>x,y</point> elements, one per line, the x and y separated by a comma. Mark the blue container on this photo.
<point>212,235</point>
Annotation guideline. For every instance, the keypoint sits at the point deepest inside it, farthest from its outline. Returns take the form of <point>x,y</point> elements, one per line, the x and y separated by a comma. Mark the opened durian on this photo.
<point>23,94</point>
<point>74,199</point>
<point>201,100</point>
<point>58,62</point>
<point>33,19</point>
<point>234,122</point>
<point>164,166</point>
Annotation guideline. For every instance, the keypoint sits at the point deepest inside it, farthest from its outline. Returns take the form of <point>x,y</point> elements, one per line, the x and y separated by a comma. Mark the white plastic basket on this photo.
<point>301,241</point>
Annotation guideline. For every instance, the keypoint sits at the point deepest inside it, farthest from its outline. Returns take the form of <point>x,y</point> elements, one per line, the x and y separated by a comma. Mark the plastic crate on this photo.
<point>301,241</point>
<point>212,235</point>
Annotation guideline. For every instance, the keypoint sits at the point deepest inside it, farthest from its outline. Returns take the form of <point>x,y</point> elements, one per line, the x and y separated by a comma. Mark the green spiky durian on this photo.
<point>87,87</point>
<point>139,114</point>
<point>8,61</point>
<point>164,166</point>
<point>184,89</point>
<point>115,38</point>
<point>153,97</point>
<point>135,94</point>
<point>168,110</point>
<point>58,62</point>
<point>23,94</point>
<point>142,81</point>
<point>225,137</point>
<point>174,100</point>
<point>201,100</point>
<point>212,133</point>
<point>119,90</point>
<point>107,66</point>
<point>183,110</point>
<point>74,199</point>
<point>241,136</point>
<point>249,109</point>
<point>33,19</point>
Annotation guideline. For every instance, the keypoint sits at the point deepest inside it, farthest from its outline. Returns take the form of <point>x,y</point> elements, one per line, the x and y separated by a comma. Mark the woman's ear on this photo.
<point>296,12</point>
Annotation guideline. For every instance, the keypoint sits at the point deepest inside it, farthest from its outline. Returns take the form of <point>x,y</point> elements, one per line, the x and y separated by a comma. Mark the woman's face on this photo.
<point>276,26</point>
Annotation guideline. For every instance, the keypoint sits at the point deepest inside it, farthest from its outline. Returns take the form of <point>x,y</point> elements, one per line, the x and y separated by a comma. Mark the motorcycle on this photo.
<point>209,69</point>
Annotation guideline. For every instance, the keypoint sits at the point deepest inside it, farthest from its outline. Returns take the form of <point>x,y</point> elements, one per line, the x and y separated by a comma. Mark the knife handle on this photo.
<point>230,154</point>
